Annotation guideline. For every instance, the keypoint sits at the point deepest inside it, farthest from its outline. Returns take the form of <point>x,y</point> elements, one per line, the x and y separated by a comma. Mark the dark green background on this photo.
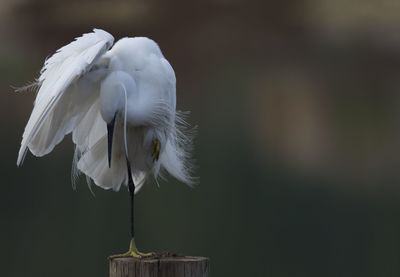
<point>298,144</point>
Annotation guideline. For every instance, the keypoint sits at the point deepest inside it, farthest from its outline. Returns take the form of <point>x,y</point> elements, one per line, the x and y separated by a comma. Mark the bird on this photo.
<point>119,102</point>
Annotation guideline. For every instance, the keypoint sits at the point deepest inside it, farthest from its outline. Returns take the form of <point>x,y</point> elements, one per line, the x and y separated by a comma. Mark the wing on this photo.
<point>64,96</point>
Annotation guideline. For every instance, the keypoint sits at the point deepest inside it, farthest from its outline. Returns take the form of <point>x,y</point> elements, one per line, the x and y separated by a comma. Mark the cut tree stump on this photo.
<point>186,266</point>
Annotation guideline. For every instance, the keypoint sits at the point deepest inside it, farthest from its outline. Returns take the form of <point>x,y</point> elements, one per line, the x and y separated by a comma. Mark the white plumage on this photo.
<point>87,84</point>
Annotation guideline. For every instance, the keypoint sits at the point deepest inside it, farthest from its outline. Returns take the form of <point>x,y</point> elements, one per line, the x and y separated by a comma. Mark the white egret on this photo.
<point>119,104</point>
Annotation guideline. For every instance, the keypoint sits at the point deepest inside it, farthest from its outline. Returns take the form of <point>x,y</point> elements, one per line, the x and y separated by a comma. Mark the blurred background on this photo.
<point>298,146</point>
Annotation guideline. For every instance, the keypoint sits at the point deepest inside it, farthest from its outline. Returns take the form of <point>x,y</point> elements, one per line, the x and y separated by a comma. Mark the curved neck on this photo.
<point>114,91</point>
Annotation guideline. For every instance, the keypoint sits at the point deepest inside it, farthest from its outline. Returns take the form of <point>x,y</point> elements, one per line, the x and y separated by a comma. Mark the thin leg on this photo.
<point>131,187</point>
<point>133,251</point>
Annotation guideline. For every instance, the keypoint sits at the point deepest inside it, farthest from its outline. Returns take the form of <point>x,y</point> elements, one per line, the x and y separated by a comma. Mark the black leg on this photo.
<point>133,251</point>
<point>131,187</point>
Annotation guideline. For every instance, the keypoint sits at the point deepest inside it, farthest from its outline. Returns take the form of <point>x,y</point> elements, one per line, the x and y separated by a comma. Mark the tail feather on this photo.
<point>94,164</point>
<point>90,129</point>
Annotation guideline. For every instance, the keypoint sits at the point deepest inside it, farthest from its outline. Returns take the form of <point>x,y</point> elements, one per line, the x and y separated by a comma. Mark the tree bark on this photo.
<point>160,267</point>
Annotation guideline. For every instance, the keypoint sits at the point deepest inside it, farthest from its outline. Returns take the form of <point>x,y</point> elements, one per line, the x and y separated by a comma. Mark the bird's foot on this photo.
<point>132,252</point>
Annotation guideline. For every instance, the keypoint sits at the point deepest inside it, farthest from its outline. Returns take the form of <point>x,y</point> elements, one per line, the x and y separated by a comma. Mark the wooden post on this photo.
<point>160,267</point>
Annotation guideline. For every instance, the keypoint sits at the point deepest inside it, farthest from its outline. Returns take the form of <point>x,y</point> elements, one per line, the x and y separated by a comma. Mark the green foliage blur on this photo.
<point>298,144</point>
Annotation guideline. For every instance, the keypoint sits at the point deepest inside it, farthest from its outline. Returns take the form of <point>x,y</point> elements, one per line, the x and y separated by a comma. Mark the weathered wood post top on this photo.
<point>186,266</point>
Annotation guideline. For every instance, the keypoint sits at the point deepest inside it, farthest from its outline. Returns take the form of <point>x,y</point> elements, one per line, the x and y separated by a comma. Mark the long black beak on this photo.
<point>110,133</point>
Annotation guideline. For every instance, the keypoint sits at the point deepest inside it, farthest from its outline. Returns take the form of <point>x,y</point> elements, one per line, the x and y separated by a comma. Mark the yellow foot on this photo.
<point>132,252</point>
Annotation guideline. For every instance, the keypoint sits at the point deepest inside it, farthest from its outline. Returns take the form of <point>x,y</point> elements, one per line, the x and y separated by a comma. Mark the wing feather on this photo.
<point>59,72</point>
